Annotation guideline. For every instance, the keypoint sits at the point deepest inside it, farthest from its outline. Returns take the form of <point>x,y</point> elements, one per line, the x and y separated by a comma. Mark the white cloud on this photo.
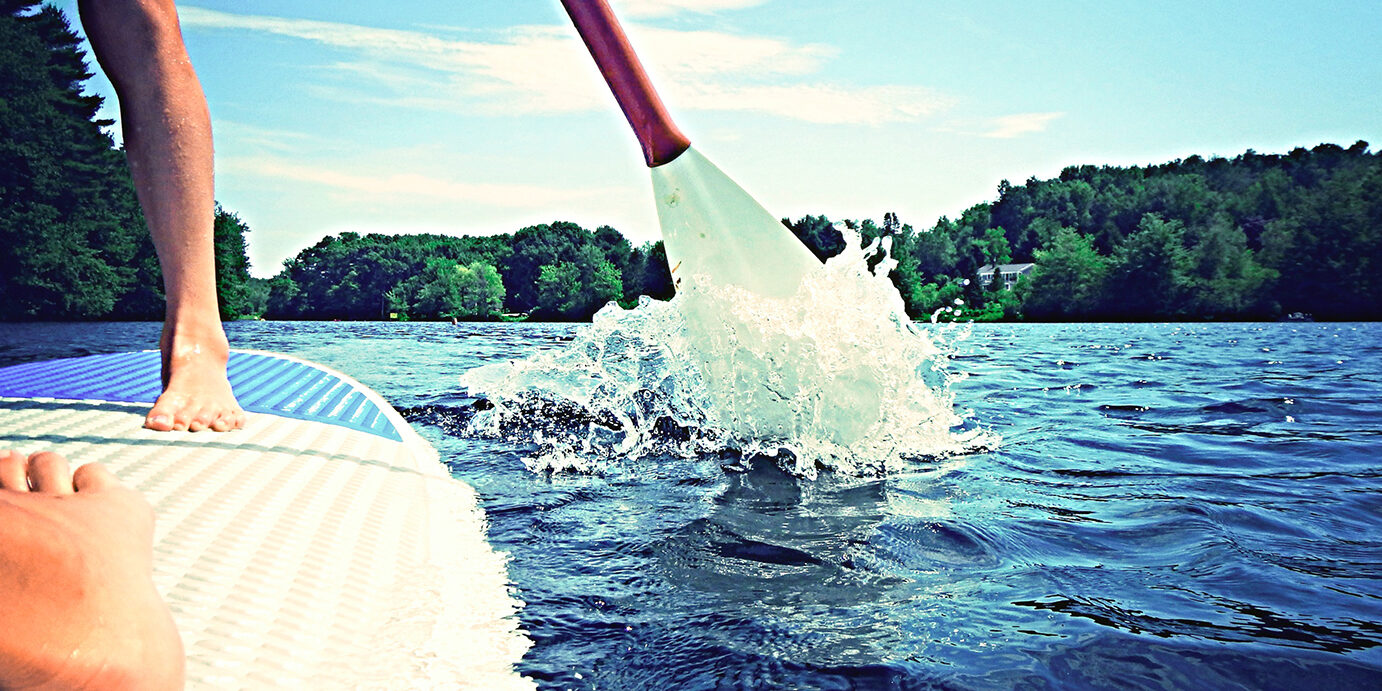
<point>239,135</point>
<point>662,8</point>
<point>1011,126</point>
<point>545,69</point>
<point>399,186</point>
<point>706,54</point>
<point>822,103</point>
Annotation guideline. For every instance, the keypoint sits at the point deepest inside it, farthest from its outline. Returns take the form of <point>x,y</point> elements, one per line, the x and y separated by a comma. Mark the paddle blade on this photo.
<point>712,227</point>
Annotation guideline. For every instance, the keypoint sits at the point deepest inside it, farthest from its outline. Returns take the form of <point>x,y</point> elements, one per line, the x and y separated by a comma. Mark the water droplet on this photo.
<point>859,392</point>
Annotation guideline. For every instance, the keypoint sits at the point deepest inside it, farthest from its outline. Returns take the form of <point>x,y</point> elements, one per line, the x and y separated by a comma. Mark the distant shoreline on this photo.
<point>923,321</point>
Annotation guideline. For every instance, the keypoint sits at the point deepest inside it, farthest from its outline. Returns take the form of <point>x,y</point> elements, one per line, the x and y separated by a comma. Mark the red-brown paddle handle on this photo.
<point>659,136</point>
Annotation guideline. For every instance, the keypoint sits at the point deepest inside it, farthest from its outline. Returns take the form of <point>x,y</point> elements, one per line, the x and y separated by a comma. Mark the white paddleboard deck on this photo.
<point>323,546</point>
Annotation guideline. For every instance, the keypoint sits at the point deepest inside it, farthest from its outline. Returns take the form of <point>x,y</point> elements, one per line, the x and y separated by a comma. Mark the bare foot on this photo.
<point>196,394</point>
<point>78,607</point>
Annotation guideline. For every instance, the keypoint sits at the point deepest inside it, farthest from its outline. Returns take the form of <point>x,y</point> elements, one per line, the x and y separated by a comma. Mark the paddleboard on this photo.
<point>322,546</point>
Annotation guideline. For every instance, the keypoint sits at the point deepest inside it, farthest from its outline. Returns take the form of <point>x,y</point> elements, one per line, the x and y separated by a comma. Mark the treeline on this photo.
<point>75,244</point>
<point>557,271</point>
<point>1252,237</point>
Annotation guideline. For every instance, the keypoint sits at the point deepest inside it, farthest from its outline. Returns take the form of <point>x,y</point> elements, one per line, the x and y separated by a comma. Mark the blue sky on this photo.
<point>483,117</point>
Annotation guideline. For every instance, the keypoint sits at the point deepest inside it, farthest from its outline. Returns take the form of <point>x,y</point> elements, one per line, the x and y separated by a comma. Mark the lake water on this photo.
<point>1171,506</point>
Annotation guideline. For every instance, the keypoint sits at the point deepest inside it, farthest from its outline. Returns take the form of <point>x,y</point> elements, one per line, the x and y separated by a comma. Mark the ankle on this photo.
<point>196,341</point>
<point>196,327</point>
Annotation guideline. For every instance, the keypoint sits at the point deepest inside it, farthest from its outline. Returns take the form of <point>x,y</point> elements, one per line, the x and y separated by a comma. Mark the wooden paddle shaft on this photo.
<point>595,21</point>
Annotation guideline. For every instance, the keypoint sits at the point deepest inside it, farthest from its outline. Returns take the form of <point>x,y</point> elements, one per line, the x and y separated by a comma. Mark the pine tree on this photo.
<point>63,210</point>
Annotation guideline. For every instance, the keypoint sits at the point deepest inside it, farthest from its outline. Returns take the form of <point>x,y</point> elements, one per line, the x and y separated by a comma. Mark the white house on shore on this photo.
<point>1012,273</point>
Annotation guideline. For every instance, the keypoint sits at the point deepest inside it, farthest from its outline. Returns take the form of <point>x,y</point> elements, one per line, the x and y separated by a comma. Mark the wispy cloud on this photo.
<point>544,69</point>
<point>662,8</point>
<point>1016,125</point>
<point>396,186</point>
<point>821,103</point>
<point>246,136</point>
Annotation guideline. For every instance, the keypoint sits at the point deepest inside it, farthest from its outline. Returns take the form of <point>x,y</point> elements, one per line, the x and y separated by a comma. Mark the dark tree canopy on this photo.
<point>1252,237</point>
<point>551,271</point>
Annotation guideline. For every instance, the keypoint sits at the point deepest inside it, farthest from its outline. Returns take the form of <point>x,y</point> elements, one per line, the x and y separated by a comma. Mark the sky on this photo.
<point>487,116</point>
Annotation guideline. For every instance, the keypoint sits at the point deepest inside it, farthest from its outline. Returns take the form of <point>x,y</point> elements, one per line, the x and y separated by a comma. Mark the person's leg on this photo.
<point>168,143</point>
<point>78,607</point>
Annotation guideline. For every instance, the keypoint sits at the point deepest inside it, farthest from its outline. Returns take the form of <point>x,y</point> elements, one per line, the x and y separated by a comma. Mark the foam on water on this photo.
<point>836,375</point>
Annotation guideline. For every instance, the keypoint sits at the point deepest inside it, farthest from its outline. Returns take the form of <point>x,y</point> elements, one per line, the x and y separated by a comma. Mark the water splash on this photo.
<point>836,377</point>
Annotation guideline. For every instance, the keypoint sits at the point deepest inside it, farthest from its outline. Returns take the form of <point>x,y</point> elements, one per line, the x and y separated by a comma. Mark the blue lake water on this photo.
<point>1171,506</point>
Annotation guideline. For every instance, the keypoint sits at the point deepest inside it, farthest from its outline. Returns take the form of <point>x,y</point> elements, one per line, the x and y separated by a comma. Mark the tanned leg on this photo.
<point>78,607</point>
<point>168,143</point>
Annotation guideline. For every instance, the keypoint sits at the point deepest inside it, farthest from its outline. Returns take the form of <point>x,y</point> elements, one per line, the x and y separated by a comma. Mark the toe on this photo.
<point>168,413</point>
<point>232,419</point>
<point>206,418</point>
<point>48,472</point>
<point>159,419</point>
<point>93,477</point>
<point>14,474</point>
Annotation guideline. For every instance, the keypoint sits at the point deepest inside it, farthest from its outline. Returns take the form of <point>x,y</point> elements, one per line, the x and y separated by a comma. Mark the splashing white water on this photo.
<point>837,375</point>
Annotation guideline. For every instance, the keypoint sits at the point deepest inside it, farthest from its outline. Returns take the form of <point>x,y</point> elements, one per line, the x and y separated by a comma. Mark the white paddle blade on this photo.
<point>712,227</point>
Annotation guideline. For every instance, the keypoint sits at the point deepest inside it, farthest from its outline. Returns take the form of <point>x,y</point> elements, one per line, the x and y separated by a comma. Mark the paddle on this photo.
<point>710,225</point>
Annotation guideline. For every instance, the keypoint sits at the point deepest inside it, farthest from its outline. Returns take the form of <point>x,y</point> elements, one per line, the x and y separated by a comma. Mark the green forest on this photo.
<point>1256,236</point>
<point>557,271</point>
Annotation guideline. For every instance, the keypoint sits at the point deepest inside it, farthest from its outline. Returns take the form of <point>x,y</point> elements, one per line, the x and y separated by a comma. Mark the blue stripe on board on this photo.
<point>262,384</point>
